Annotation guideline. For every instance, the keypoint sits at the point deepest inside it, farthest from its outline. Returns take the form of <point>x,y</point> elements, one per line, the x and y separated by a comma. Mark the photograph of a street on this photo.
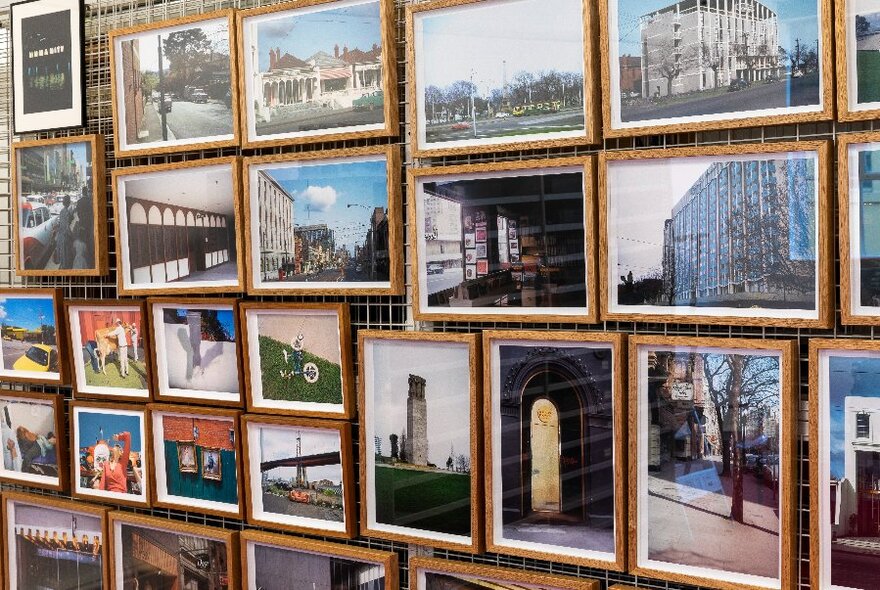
<point>712,461</point>
<point>693,58</point>
<point>28,335</point>
<point>868,57</point>
<point>504,70</point>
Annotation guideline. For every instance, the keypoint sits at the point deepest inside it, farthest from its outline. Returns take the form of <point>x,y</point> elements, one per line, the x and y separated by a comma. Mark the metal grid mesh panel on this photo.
<point>392,313</point>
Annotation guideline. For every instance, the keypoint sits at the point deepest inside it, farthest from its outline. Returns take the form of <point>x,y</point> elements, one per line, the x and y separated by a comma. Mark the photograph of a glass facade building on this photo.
<point>869,224</point>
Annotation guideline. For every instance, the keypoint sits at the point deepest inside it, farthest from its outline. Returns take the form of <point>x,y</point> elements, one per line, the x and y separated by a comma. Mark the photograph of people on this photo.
<point>29,440</point>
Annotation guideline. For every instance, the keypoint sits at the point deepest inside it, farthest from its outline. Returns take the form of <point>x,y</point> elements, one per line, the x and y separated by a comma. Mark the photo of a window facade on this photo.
<point>864,225</point>
<point>729,235</point>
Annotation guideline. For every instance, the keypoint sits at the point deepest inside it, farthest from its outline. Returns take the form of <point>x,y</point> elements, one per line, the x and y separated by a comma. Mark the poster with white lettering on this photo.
<point>47,65</point>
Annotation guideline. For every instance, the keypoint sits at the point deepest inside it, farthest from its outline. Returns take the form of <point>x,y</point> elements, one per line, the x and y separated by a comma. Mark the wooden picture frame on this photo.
<point>39,358</point>
<point>591,132</point>
<point>252,426</point>
<point>120,58</point>
<point>162,262</point>
<point>55,116</point>
<point>387,60</point>
<point>833,514</point>
<point>697,122</point>
<point>438,351</point>
<point>45,504</point>
<point>113,414</point>
<point>77,332</point>
<point>190,493</point>
<point>118,519</point>
<point>849,100</point>
<point>523,264</point>
<point>296,545</point>
<point>518,578</point>
<point>318,316</point>
<point>12,425</point>
<point>256,173</point>
<point>190,389</point>
<point>782,474</point>
<point>731,305</point>
<point>597,382</point>
<point>93,171</point>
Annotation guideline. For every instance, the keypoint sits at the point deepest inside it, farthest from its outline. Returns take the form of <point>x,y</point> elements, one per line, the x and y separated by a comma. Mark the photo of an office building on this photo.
<point>867,193</point>
<point>271,567</point>
<point>725,233</point>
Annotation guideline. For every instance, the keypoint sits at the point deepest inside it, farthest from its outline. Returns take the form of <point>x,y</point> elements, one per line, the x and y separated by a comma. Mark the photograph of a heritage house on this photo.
<point>697,58</point>
<point>724,233</point>
<point>866,201</point>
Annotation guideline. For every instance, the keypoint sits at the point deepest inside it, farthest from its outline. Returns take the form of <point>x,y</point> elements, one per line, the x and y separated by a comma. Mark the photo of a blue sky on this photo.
<point>92,427</point>
<point>27,312</point>
<point>847,376</point>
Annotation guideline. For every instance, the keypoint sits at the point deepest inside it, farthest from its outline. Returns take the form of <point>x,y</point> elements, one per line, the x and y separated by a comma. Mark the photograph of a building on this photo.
<point>868,279</point>
<point>321,223</point>
<point>712,460</point>
<point>450,581</point>
<point>272,566</point>
<point>726,233</point>
<point>500,72</point>
<point>556,434</point>
<point>419,436</point>
<point>327,76</point>
<point>868,57</point>
<point>28,438</point>
<point>53,548</point>
<point>699,58</point>
<point>28,345</point>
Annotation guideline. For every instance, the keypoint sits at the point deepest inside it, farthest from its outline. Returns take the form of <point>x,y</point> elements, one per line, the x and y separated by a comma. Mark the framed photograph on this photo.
<point>297,359</point>
<point>501,75</point>
<point>858,177</point>
<point>157,552</point>
<point>669,67</point>
<point>109,348</point>
<point>110,460</point>
<point>338,83</point>
<point>843,407</point>
<point>299,475</point>
<point>195,348</point>
<point>326,222</point>
<point>60,219</point>
<point>178,227</point>
<point>736,234</point>
<point>32,349</point>
<point>267,560</point>
<point>552,205</point>
<point>431,573</point>
<point>713,430</point>
<point>53,543</point>
<point>555,454</point>
<point>47,65</point>
<point>197,457</point>
<point>858,59</point>
<point>420,458</point>
<point>174,84</point>
<point>34,440</point>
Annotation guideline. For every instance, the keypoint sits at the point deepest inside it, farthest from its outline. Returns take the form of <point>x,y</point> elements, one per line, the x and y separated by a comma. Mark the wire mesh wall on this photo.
<point>393,313</point>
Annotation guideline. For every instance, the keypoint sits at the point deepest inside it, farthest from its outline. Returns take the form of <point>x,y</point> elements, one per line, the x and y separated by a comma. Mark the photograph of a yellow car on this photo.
<point>28,338</point>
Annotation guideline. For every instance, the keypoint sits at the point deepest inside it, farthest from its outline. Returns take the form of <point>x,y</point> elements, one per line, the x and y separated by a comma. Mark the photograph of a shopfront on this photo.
<point>55,549</point>
<point>505,239</point>
<point>713,463</point>
<point>164,560</point>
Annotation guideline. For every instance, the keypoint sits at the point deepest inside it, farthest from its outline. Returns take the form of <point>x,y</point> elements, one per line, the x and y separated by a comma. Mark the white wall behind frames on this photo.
<point>375,312</point>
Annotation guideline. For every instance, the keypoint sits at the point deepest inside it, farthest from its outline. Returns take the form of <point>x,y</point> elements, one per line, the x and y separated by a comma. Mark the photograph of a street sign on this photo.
<point>720,465</point>
<point>700,64</point>
<point>738,233</point>
<point>174,84</point>
<point>495,74</point>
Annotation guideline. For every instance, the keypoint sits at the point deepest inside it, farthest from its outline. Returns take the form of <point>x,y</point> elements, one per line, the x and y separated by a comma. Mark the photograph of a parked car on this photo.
<point>29,347</point>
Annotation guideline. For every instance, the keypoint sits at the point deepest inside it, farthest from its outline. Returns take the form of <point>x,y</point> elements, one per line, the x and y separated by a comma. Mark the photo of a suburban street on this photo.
<point>698,247</point>
<point>868,57</point>
<point>501,71</point>
<point>702,57</point>
<point>713,460</point>
<point>176,84</point>
<point>28,335</point>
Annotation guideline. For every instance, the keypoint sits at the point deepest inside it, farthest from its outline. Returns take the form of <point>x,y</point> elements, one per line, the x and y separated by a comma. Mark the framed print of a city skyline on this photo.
<point>59,211</point>
<point>420,467</point>
<point>501,75</point>
<point>326,222</point>
<point>336,78</point>
<point>174,84</point>
<point>554,445</point>
<point>857,23</point>
<point>431,573</point>
<point>672,66</point>
<point>735,234</point>
<point>48,85</point>
<point>712,451</point>
<point>506,241</point>
<point>844,406</point>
